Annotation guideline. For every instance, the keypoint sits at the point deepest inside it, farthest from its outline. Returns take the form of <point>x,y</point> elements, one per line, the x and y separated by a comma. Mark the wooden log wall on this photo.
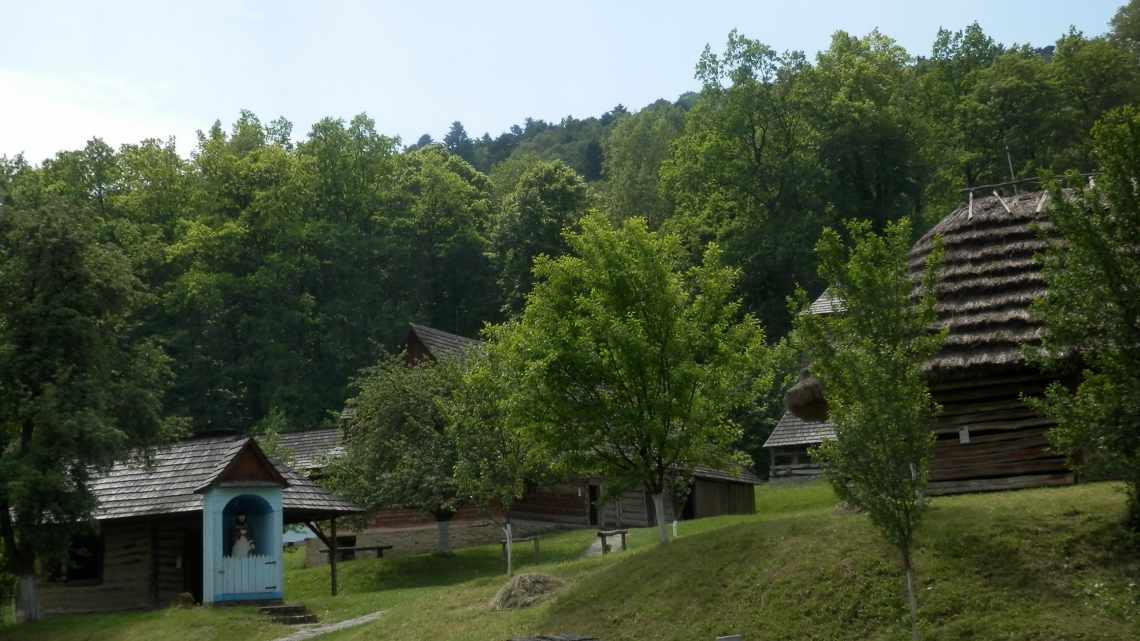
<point>714,498</point>
<point>792,463</point>
<point>634,510</point>
<point>564,504</point>
<point>142,568</point>
<point>989,439</point>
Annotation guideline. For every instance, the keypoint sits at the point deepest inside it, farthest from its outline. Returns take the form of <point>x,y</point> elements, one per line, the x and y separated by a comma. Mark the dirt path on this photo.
<point>311,631</point>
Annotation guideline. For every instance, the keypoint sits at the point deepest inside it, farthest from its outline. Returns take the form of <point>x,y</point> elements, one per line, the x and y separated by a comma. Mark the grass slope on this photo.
<point>1036,564</point>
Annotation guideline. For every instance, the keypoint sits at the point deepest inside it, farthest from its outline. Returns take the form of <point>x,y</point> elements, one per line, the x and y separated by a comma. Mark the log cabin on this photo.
<point>202,516</point>
<point>573,503</point>
<point>988,438</point>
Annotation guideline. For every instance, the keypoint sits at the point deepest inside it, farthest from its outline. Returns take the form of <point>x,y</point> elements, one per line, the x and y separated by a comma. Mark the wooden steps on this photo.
<point>288,614</point>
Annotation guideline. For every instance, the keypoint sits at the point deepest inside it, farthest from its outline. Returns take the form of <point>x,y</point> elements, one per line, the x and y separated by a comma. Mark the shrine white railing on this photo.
<point>250,575</point>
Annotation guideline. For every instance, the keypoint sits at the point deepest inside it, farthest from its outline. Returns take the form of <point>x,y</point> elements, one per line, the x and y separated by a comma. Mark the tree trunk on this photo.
<point>659,507</point>
<point>27,599</point>
<point>911,600</point>
<point>444,545</point>
<point>674,528</point>
<point>510,551</point>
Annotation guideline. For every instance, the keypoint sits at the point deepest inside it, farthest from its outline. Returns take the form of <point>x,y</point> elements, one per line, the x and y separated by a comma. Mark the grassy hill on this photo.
<point>1037,564</point>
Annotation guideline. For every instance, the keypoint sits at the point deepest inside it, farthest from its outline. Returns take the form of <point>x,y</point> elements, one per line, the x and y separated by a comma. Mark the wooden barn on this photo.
<point>987,437</point>
<point>575,503</point>
<point>788,445</point>
<point>204,518</point>
<point>571,504</point>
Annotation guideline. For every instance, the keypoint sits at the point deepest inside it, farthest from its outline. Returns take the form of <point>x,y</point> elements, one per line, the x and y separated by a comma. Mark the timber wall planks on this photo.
<point>141,561</point>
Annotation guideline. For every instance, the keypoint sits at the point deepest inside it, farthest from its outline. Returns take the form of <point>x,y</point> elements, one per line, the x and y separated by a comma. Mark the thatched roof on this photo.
<point>987,282</point>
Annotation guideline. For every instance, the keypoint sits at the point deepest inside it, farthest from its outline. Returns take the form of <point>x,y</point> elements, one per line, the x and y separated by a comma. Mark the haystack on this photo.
<point>525,590</point>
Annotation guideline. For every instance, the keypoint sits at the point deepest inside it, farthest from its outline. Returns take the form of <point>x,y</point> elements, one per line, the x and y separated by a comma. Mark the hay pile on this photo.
<point>525,590</point>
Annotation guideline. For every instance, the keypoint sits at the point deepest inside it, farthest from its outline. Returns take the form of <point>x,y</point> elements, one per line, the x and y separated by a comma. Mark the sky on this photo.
<point>125,71</point>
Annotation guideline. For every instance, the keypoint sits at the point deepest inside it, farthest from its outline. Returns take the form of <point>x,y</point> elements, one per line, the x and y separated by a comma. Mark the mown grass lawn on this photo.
<point>1031,565</point>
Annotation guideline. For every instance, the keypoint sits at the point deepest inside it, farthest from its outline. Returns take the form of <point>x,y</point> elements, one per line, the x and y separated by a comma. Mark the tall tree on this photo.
<point>634,150</point>
<point>744,173</point>
<point>459,143</point>
<point>78,387</point>
<point>630,363</point>
<point>870,360</point>
<point>1091,311</point>
<point>548,198</point>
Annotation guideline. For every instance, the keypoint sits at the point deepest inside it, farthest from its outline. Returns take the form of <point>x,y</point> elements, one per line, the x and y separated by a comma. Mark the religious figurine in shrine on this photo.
<point>243,539</point>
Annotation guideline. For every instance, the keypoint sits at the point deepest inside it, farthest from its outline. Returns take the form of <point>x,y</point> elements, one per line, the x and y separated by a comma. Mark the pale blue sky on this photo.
<point>129,70</point>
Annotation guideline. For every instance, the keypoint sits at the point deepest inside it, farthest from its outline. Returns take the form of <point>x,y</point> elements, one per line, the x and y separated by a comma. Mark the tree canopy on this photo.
<point>630,362</point>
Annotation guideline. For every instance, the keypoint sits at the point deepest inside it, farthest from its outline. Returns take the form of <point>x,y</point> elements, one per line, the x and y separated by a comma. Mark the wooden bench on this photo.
<point>520,539</point>
<point>603,534</point>
<point>341,556</point>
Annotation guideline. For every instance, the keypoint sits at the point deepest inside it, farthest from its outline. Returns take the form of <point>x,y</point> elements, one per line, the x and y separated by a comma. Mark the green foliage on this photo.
<point>634,152</point>
<point>398,450</point>
<point>630,364</point>
<point>79,386</point>
<point>497,462</point>
<point>870,359</point>
<point>1091,311</point>
<point>548,198</point>
<point>1126,25</point>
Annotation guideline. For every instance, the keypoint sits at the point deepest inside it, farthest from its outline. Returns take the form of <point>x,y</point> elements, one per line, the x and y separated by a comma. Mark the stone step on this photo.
<point>284,609</point>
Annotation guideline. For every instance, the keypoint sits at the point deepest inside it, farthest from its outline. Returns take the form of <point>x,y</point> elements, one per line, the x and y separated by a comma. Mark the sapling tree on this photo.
<point>629,361</point>
<point>870,360</point>
<point>1092,311</point>
<point>398,450</point>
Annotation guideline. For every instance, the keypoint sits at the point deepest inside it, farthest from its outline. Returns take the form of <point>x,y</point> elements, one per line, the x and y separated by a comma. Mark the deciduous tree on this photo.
<point>870,359</point>
<point>630,362</point>
<point>1091,310</point>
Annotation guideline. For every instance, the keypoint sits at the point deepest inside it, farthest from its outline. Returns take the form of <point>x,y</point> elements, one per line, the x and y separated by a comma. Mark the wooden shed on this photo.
<point>571,503</point>
<point>987,437</point>
<point>788,445</point>
<point>204,517</point>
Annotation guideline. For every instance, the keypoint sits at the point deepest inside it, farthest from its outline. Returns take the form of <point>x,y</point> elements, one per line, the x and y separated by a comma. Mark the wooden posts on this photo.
<point>332,553</point>
<point>602,534</point>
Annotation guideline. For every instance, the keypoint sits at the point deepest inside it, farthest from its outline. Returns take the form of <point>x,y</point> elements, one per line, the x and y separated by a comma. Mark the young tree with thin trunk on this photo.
<point>1092,312</point>
<point>398,450</point>
<point>78,388</point>
<point>630,362</point>
<point>870,360</point>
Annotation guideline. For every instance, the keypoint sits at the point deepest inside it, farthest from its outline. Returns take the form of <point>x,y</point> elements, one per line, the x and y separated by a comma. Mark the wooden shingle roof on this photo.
<point>441,344</point>
<point>177,473</point>
<point>712,473</point>
<point>313,449</point>
<point>793,430</point>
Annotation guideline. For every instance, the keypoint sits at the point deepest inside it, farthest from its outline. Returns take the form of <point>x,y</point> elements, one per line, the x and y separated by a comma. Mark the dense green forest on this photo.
<point>272,267</point>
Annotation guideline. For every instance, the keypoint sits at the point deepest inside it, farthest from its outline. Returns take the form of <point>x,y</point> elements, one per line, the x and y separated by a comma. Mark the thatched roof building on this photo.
<point>988,438</point>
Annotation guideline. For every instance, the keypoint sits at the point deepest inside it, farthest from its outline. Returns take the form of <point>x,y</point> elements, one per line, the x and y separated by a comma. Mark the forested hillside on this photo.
<point>274,265</point>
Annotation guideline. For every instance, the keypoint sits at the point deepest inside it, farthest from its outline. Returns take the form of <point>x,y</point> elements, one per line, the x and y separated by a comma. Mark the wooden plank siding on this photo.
<point>716,498</point>
<point>792,463</point>
<point>1007,447</point>
<point>141,570</point>
<point>563,504</point>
